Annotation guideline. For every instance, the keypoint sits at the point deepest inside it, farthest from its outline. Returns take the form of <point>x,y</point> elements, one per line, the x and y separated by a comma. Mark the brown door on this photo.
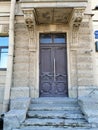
<point>53,65</point>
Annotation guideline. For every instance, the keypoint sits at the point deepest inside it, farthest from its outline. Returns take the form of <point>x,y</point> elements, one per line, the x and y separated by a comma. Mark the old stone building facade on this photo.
<point>51,50</point>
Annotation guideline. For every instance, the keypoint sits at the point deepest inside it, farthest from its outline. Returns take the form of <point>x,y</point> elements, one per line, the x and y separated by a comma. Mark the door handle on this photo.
<point>54,70</point>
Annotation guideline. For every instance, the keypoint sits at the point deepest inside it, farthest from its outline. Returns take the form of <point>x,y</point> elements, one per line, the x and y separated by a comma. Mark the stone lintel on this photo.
<point>54,0</point>
<point>53,3</point>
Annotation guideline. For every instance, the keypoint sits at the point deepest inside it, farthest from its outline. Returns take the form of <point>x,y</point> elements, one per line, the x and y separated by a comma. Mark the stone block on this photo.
<point>11,122</point>
<point>20,115</point>
<point>1,94</point>
<point>19,104</point>
<point>21,74</point>
<point>73,92</point>
<point>89,106</point>
<point>21,59</point>
<point>21,66</point>
<point>86,90</point>
<point>17,113</point>
<point>2,73</point>
<point>23,83</point>
<point>2,79</point>
<point>85,81</point>
<point>19,92</point>
<point>21,51</point>
<point>1,108</point>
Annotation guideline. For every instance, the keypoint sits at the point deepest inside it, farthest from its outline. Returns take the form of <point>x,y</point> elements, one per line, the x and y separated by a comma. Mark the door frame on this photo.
<point>38,58</point>
<point>53,48</point>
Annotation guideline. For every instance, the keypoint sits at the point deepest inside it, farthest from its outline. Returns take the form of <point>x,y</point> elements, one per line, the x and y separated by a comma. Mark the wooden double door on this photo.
<point>53,65</point>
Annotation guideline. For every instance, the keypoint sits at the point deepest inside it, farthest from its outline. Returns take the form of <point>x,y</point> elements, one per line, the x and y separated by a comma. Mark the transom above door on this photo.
<point>53,65</point>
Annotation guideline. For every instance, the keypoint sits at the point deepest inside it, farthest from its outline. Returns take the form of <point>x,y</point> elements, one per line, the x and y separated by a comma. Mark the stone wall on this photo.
<point>3,32</point>
<point>21,56</point>
<point>21,62</point>
<point>2,84</point>
<point>95,28</point>
<point>80,55</point>
<point>85,58</point>
<point>82,59</point>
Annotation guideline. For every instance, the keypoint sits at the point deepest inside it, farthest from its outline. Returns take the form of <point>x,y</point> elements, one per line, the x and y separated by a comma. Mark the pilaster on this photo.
<point>32,47</point>
<point>85,58</point>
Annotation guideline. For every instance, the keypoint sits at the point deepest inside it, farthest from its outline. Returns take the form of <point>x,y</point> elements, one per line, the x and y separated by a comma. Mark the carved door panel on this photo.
<point>60,82</point>
<point>46,72</point>
<point>53,70</point>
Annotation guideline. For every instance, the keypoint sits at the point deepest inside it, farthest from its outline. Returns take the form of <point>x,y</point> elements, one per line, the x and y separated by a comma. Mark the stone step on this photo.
<point>53,128</point>
<point>48,107</point>
<point>52,100</point>
<point>56,122</point>
<point>55,114</point>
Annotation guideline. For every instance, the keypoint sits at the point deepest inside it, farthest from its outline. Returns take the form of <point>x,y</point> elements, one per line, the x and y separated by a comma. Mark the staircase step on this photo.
<point>51,100</point>
<point>48,107</point>
<point>53,128</point>
<point>56,122</point>
<point>55,114</point>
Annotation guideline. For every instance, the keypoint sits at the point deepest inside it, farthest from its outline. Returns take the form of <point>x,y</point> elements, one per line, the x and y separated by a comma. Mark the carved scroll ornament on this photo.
<point>29,19</point>
<point>30,23</point>
<point>77,16</point>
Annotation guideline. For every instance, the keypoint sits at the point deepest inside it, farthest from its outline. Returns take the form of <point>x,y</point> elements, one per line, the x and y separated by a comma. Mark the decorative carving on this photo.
<point>76,21</point>
<point>30,23</point>
<point>29,19</point>
<point>75,35</point>
<point>77,16</point>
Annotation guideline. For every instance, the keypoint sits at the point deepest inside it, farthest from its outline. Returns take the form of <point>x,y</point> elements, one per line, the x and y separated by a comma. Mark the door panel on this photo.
<point>61,71</point>
<point>60,57</point>
<point>53,70</point>
<point>46,75</point>
<point>46,60</point>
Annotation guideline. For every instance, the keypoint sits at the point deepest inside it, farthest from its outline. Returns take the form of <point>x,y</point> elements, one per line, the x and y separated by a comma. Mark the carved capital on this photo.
<point>29,19</point>
<point>77,16</point>
<point>30,23</point>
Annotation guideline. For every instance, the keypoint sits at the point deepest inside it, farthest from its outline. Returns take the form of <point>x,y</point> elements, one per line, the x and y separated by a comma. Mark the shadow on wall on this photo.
<point>1,122</point>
